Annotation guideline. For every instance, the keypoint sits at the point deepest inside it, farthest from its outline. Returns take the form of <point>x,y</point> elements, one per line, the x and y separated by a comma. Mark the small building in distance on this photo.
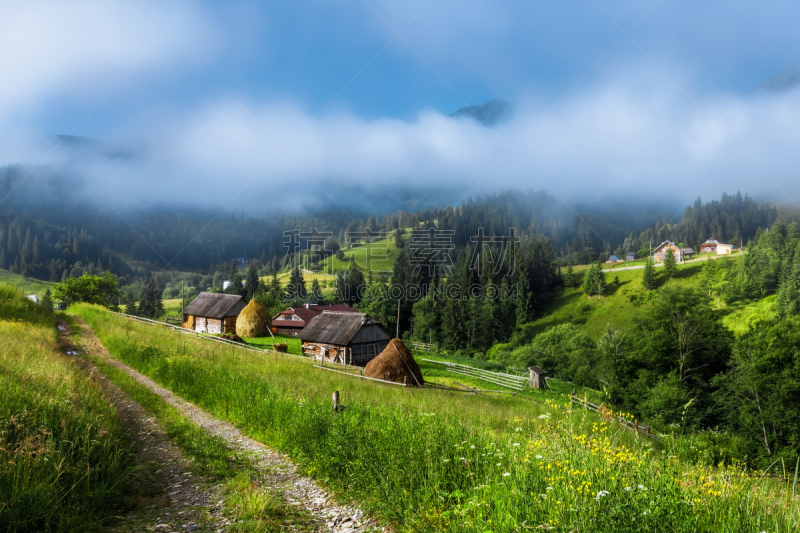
<point>292,321</point>
<point>688,253</point>
<point>33,298</point>
<point>612,259</point>
<point>537,380</point>
<point>710,245</point>
<point>344,338</point>
<point>631,256</point>
<point>661,252</point>
<point>213,313</point>
<point>724,249</point>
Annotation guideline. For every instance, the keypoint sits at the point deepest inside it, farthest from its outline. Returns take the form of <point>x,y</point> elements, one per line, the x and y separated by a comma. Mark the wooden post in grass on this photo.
<point>335,400</point>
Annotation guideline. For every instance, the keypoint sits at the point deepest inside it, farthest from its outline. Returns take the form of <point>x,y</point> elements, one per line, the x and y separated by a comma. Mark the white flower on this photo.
<point>549,488</point>
<point>447,460</point>
<point>601,494</point>
<point>461,459</point>
<point>628,489</point>
<point>498,464</point>
<point>472,447</point>
<point>506,474</point>
<point>642,487</point>
<point>516,444</point>
<point>544,417</point>
<point>518,429</point>
<point>538,456</point>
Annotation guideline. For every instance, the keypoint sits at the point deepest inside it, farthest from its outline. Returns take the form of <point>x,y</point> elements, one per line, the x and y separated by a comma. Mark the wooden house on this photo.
<point>345,338</point>
<point>612,259</point>
<point>292,321</point>
<point>661,252</point>
<point>537,380</point>
<point>631,256</point>
<point>710,245</point>
<point>213,313</point>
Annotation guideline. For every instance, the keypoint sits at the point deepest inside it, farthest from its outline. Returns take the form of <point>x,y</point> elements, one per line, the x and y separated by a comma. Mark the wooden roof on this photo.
<point>536,370</point>
<point>212,305</point>
<point>333,327</point>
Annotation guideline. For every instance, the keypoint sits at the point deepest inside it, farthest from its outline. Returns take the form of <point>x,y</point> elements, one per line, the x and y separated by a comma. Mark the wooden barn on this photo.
<point>213,313</point>
<point>345,338</point>
<point>631,256</point>
<point>292,321</point>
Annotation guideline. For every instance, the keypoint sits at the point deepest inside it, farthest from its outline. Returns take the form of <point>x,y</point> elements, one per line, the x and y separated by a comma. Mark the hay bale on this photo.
<point>395,363</point>
<point>253,321</point>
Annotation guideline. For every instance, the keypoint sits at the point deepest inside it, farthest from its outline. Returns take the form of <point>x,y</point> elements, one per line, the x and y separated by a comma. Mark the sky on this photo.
<point>253,104</point>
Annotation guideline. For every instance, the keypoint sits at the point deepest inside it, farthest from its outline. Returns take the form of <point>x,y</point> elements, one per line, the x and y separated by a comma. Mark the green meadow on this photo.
<point>28,285</point>
<point>64,457</point>
<point>431,460</point>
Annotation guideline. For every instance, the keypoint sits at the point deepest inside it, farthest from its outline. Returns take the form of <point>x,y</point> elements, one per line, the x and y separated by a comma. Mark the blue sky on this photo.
<point>671,101</point>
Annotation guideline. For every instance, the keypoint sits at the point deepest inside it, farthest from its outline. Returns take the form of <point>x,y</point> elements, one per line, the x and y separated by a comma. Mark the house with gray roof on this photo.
<point>213,313</point>
<point>345,338</point>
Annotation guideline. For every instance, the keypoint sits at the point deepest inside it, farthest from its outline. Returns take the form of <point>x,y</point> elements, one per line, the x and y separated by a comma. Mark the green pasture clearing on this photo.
<point>28,285</point>
<point>428,460</point>
<point>624,298</point>
<point>378,256</point>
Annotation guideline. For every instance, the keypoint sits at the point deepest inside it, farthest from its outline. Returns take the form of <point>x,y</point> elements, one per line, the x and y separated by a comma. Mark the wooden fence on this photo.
<point>634,425</point>
<point>421,346</point>
<point>498,378</point>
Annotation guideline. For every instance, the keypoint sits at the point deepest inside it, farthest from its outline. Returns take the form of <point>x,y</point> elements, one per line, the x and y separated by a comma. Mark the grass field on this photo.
<point>293,344</point>
<point>624,298</point>
<point>429,460</point>
<point>64,459</point>
<point>28,285</point>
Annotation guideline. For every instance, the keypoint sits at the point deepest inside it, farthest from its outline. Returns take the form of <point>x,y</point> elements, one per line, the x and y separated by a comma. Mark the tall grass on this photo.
<point>433,461</point>
<point>63,455</point>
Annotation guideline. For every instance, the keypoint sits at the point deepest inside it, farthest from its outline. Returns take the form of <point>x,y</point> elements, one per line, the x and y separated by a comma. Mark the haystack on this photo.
<point>395,363</point>
<point>253,321</point>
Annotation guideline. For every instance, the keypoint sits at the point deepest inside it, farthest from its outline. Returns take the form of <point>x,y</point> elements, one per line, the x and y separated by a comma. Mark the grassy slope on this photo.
<point>294,345</point>
<point>28,285</point>
<point>622,302</point>
<point>64,458</point>
<point>437,461</point>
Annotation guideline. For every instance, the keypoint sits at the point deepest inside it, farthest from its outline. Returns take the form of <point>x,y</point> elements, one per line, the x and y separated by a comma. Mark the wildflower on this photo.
<point>498,464</point>
<point>472,447</point>
<point>642,487</point>
<point>516,444</point>
<point>628,489</point>
<point>544,417</point>
<point>506,474</point>
<point>601,494</point>
<point>538,456</point>
<point>549,488</point>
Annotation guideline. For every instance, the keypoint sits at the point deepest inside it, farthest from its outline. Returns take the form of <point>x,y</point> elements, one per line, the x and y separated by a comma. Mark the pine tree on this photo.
<point>47,300</point>
<point>253,283</point>
<point>649,277</point>
<point>594,282</point>
<point>670,264</point>
<point>569,278</point>
<point>275,289</point>
<point>150,305</point>
<point>316,291</point>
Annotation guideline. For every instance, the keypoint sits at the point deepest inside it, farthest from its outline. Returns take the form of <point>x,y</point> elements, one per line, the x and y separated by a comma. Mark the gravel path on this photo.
<point>278,472</point>
<point>168,496</point>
